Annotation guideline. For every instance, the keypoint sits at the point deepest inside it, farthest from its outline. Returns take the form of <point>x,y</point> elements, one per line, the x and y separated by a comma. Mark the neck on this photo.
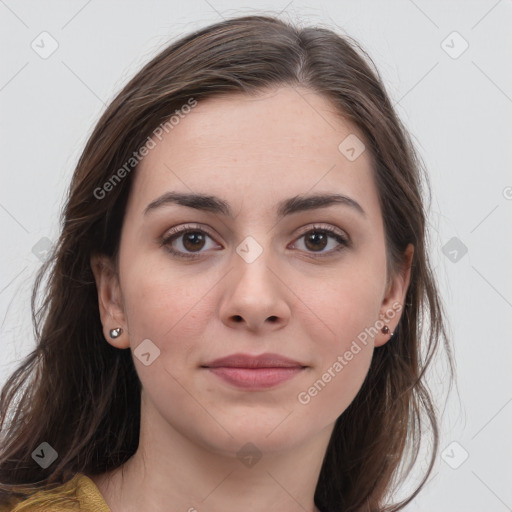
<point>194,478</point>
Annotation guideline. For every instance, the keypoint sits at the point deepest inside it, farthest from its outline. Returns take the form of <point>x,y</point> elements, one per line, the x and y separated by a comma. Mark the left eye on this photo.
<point>318,238</point>
<point>193,240</point>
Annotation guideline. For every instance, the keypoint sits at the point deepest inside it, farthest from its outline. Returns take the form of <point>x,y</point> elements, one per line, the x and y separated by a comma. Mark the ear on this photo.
<point>394,299</point>
<point>109,300</point>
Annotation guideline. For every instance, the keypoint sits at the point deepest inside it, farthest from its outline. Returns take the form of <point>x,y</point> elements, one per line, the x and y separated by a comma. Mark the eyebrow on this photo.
<point>217,205</point>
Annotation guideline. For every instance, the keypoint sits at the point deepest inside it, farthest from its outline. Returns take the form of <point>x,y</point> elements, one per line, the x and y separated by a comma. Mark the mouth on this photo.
<point>255,372</point>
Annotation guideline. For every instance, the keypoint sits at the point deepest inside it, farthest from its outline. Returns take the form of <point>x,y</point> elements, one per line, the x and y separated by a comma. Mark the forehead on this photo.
<point>285,141</point>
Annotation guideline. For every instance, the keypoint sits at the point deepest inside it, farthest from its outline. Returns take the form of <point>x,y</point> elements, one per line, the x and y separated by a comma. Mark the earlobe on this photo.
<point>394,301</point>
<point>110,304</point>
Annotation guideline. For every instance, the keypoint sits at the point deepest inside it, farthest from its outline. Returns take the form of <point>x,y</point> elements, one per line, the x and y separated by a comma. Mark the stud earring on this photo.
<point>385,330</point>
<point>115,333</point>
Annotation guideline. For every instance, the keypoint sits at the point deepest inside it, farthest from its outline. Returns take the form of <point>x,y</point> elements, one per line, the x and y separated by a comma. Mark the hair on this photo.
<point>82,396</point>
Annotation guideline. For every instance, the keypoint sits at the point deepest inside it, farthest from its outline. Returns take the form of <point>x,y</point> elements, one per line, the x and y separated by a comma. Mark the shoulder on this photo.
<point>78,494</point>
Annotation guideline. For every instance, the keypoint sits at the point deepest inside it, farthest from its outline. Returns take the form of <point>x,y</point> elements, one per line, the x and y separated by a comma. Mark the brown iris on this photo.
<point>195,239</point>
<point>319,237</point>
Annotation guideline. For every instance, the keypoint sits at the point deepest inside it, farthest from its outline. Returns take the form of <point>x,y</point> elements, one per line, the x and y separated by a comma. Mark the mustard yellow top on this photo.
<point>78,494</point>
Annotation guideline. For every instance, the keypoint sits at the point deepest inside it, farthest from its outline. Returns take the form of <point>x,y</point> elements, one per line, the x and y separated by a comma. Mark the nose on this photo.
<point>255,296</point>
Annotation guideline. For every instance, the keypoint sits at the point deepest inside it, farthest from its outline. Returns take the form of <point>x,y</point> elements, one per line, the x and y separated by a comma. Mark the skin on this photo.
<point>251,152</point>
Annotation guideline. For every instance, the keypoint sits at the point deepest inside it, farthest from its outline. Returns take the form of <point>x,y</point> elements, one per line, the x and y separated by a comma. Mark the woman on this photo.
<point>247,219</point>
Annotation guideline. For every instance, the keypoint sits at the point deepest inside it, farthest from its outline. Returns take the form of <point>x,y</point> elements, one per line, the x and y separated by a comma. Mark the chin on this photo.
<point>276,434</point>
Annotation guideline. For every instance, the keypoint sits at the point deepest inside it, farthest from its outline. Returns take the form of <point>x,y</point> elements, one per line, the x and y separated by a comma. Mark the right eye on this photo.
<point>189,238</point>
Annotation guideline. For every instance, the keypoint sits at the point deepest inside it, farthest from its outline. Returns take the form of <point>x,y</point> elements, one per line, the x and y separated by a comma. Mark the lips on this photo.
<point>248,361</point>
<point>254,372</point>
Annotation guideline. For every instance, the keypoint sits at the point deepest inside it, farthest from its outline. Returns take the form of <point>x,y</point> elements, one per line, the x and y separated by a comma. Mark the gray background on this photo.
<point>456,104</point>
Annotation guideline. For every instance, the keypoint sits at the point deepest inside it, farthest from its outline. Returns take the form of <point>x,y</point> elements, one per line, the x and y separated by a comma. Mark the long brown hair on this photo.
<point>82,396</point>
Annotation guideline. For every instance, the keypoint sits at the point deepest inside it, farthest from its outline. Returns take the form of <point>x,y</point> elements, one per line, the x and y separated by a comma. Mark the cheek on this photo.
<point>334,386</point>
<point>344,352</point>
<point>165,307</point>
<point>346,309</point>
<point>342,328</point>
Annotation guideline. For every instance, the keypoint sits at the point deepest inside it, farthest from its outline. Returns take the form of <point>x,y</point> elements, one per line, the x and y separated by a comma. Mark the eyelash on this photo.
<point>175,233</point>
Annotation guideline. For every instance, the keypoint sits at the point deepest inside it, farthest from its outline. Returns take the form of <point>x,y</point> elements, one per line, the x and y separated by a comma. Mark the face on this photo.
<point>308,284</point>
